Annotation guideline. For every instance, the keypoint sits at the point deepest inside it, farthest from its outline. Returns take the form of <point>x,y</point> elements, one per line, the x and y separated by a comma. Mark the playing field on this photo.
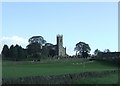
<point>21,69</point>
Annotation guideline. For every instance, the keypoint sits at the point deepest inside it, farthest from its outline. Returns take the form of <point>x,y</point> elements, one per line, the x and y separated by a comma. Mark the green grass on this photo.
<point>0,70</point>
<point>111,79</point>
<point>22,69</point>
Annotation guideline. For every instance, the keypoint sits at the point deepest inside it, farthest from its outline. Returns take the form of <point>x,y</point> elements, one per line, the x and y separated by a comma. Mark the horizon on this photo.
<point>93,23</point>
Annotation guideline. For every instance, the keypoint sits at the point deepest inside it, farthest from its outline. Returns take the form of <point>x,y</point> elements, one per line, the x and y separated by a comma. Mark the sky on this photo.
<point>95,23</point>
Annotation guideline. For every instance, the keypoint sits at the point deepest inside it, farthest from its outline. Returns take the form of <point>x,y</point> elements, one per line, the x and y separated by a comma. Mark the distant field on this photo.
<point>56,67</point>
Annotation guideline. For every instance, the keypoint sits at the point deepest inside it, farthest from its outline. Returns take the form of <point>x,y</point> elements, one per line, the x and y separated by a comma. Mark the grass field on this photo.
<point>0,71</point>
<point>112,79</point>
<point>56,67</point>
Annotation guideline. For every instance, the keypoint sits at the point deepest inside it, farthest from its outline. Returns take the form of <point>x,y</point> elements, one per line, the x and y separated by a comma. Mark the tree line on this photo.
<point>14,52</point>
<point>38,48</point>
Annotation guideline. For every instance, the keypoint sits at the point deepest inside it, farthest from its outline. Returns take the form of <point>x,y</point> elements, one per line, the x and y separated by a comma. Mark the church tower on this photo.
<point>61,51</point>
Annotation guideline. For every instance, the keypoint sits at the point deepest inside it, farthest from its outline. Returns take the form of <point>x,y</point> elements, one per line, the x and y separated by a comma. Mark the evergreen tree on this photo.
<point>13,52</point>
<point>5,51</point>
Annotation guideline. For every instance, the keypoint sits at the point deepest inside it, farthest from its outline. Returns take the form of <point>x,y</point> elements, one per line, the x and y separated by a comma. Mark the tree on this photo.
<point>106,50</point>
<point>13,52</point>
<point>38,40</point>
<point>33,49</point>
<point>48,50</point>
<point>5,51</point>
<point>96,52</point>
<point>48,45</point>
<point>51,49</point>
<point>16,48</point>
<point>20,52</point>
<point>24,53</point>
<point>82,49</point>
<point>52,52</point>
<point>35,46</point>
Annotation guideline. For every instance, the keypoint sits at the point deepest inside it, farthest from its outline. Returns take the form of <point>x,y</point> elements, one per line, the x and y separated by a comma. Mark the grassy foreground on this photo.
<point>57,67</point>
<point>112,79</point>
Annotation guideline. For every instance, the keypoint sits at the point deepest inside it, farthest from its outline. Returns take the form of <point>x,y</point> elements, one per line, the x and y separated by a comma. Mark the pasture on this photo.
<point>52,67</point>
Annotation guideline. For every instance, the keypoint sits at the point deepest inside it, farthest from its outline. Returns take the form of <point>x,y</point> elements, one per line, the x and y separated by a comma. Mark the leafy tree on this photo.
<point>48,45</point>
<point>5,51</point>
<point>37,40</point>
<point>44,52</point>
<point>48,50</point>
<point>52,52</point>
<point>106,50</point>
<point>51,49</point>
<point>82,49</point>
<point>34,49</point>
<point>96,52</point>
<point>35,46</point>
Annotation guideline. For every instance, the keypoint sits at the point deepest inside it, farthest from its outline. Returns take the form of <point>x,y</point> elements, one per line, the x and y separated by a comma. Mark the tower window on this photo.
<point>60,40</point>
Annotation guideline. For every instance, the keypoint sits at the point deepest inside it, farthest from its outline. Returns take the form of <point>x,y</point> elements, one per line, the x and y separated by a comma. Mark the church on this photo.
<point>61,51</point>
<point>57,49</point>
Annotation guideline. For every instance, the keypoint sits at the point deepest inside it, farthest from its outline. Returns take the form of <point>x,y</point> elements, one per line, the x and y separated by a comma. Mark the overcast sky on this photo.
<point>94,23</point>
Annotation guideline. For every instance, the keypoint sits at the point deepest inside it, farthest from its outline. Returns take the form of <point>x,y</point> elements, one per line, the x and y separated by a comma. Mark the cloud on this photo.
<point>13,40</point>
